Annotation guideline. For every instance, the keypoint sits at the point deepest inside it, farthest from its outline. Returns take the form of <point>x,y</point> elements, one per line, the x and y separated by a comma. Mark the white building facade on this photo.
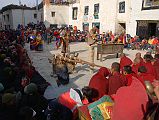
<point>135,17</point>
<point>13,15</point>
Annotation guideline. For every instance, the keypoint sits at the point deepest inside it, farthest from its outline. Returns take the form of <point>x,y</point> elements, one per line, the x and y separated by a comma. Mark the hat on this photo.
<point>31,88</point>
<point>1,87</point>
<point>7,97</point>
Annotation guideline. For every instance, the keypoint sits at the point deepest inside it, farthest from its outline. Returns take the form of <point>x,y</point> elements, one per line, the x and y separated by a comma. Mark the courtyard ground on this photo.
<point>79,79</point>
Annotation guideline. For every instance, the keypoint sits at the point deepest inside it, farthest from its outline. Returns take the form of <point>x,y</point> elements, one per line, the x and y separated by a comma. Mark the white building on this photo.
<point>12,15</point>
<point>139,17</point>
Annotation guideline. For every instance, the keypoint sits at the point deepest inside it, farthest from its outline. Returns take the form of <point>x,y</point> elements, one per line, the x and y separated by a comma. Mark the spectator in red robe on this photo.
<point>138,55</point>
<point>116,80</point>
<point>79,98</point>
<point>124,61</point>
<point>156,66</point>
<point>144,76</point>
<point>129,74</point>
<point>148,64</point>
<point>130,102</point>
<point>100,82</point>
<point>136,64</point>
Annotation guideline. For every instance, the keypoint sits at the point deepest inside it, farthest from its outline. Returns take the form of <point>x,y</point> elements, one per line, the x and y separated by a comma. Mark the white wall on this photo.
<point>138,14</point>
<point>18,17</point>
<point>61,14</point>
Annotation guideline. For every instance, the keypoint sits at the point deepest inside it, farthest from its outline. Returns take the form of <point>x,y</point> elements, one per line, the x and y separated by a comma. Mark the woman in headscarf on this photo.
<point>100,82</point>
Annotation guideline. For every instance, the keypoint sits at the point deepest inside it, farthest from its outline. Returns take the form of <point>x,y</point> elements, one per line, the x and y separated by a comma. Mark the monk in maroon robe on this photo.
<point>129,74</point>
<point>148,64</point>
<point>100,82</point>
<point>116,80</point>
<point>130,102</point>
<point>144,76</point>
<point>136,64</point>
<point>156,66</point>
<point>138,55</point>
<point>124,61</point>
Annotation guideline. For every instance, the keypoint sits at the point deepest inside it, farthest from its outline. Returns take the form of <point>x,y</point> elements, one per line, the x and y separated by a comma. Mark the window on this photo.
<point>4,17</point>
<point>150,4</point>
<point>86,10</point>
<point>35,16</point>
<point>53,14</point>
<point>74,13</point>
<point>8,17</point>
<point>96,11</point>
<point>122,7</point>
<point>96,8</point>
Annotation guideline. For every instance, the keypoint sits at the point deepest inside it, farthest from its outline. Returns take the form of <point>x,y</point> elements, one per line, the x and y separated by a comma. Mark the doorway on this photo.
<point>152,29</point>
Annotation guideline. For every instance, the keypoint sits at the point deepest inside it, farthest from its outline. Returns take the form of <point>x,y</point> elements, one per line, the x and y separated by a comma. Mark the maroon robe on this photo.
<point>150,68</point>
<point>116,81</point>
<point>100,82</point>
<point>156,66</point>
<point>124,61</point>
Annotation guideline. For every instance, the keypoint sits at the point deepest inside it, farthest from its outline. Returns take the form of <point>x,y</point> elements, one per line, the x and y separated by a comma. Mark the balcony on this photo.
<point>63,2</point>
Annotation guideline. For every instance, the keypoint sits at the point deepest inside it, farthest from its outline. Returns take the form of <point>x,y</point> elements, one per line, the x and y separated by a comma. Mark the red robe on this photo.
<point>150,68</point>
<point>146,77</point>
<point>124,61</point>
<point>130,102</point>
<point>129,78</point>
<point>100,82</point>
<point>65,100</point>
<point>116,81</point>
<point>156,66</point>
<point>136,67</point>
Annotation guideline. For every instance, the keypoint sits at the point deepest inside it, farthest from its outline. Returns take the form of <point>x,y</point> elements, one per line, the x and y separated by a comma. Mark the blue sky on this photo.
<point>27,2</point>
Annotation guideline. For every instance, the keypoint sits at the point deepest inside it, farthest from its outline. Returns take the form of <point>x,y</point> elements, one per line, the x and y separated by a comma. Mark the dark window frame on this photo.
<point>74,9</point>
<point>86,10</point>
<point>148,7</point>
<point>122,7</point>
<point>53,14</point>
<point>35,16</point>
<point>96,8</point>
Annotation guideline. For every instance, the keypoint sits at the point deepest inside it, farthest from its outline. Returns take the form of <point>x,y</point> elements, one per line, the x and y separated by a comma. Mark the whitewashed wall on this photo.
<point>138,14</point>
<point>61,14</point>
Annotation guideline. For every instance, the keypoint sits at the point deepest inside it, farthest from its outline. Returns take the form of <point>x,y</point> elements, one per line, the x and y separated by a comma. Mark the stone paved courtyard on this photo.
<point>79,79</point>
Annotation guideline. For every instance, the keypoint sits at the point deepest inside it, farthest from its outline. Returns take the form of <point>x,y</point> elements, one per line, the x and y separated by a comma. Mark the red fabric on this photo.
<point>116,81</point>
<point>156,67</point>
<point>146,77</point>
<point>150,68</point>
<point>136,67</point>
<point>100,82</point>
<point>130,102</point>
<point>65,100</point>
<point>124,61</point>
<point>129,78</point>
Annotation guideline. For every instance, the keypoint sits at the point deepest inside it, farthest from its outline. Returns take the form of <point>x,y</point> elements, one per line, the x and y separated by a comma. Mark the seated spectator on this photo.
<point>32,99</point>
<point>57,111</point>
<point>156,66</point>
<point>100,82</point>
<point>138,55</point>
<point>124,61</point>
<point>26,113</point>
<point>148,64</point>
<point>129,74</point>
<point>75,98</point>
<point>144,76</point>
<point>136,65</point>
<point>116,80</point>
<point>8,108</point>
<point>130,102</point>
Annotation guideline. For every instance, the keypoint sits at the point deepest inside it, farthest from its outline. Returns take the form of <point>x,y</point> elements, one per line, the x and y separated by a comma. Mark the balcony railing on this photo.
<point>64,2</point>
